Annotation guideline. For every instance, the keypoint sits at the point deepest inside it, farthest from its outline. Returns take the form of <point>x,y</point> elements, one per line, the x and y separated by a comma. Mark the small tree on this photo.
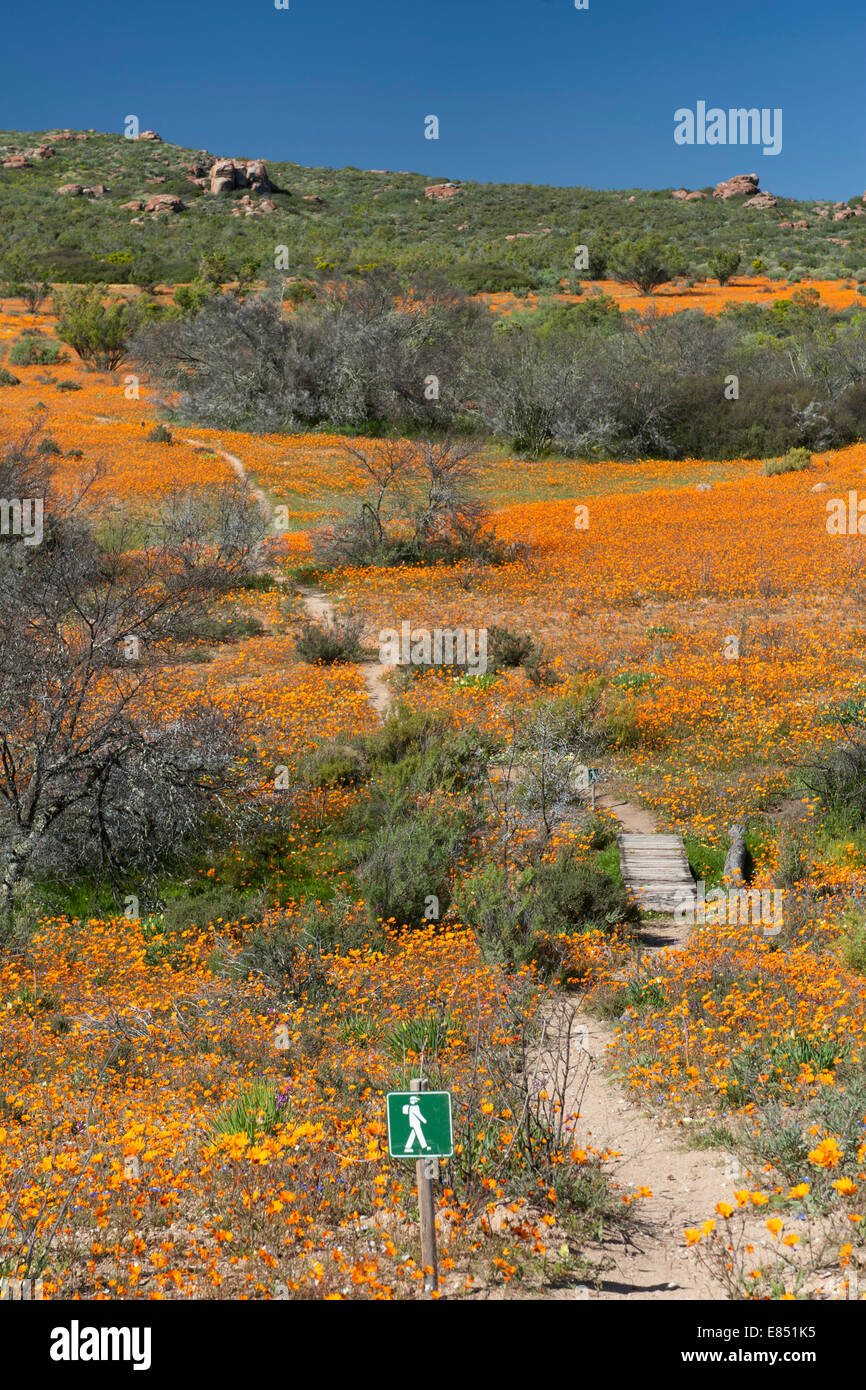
<point>90,778</point>
<point>99,332</point>
<point>24,281</point>
<point>724,264</point>
<point>645,264</point>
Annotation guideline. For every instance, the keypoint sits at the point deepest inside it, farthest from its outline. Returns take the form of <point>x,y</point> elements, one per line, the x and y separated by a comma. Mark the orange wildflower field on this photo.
<point>174,1125</point>
<point>707,295</point>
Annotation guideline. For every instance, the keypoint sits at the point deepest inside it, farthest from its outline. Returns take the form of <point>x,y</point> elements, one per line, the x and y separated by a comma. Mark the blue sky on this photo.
<point>526,91</point>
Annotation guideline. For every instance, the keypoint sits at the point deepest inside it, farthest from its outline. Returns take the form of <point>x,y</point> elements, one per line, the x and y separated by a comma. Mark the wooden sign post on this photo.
<point>422,1130</point>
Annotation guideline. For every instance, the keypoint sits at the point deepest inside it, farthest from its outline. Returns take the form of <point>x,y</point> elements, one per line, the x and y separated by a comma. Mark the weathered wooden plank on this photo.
<point>656,870</point>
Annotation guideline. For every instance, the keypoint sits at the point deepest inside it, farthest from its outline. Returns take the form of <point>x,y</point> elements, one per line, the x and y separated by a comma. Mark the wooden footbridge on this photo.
<point>656,871</point>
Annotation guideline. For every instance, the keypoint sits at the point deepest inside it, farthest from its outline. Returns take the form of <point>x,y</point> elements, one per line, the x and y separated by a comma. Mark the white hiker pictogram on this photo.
<point>416,1120</point>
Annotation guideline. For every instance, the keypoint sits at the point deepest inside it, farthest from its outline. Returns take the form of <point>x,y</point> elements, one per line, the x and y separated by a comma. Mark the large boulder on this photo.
<point>223,176</point>
<point>441,190</point>
<point>72,190</point>
<point>228,174</point>
<point>740,185</point>
<point>164,202</point>
<point>16,161</point>
<point>761,200</point>
<point>257,177</point>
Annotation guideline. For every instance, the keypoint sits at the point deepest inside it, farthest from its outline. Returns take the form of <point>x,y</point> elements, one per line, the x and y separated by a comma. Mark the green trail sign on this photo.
<point>419,1124</point>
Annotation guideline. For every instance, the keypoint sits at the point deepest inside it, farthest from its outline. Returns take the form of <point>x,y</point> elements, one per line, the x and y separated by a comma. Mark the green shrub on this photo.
<point>516,918</point>
<point>409,864</point>
<point>840,785</point>
<point>795,461</point>
<point>330,643</point>
<point>646,263</point>
<point>334,765</point>
<point>196,912</point>
<point>573,895</point>
<point>418,750</point>
<point>7,379</point>
<point>287,951</point>
<point>506,649</point>
<point>643,996</point>
<point>724,264</point>
<point>603,832</point>
<point>34,350</point>
<point>403,731</point>
<point>99,333</point>
<point>159,435</point>
<point>259,1108</point>
<point>418,1036</point>
<point>853,941</point>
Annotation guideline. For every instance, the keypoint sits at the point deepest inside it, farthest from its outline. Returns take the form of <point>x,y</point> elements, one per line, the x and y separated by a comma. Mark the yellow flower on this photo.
<point>826,1155</point>
<point>724,1209</point>
<point>774,1226</point>
<point>844,1186</point>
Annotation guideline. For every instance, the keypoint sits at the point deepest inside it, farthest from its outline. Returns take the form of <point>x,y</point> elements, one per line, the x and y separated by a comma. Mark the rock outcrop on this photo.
<point>164,202</point>
<point>441,190</point>
<point>740,185</point>
<point>225,175</point>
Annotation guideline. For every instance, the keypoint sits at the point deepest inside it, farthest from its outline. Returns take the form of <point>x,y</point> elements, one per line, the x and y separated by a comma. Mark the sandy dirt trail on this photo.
<point>650,1261</point>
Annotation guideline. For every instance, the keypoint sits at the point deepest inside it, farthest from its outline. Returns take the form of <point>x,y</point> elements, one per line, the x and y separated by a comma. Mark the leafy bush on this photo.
<point>334,765</point>
<point>840,785</point>
<point>517,917</point>
<point>409,862</point>
<point>573,895</point>
<point>198,911</point>
<point>259,1108</point>
<point>34,350</point>
<point>159,435</point>
<point>506,649</point>
<point>646,263</point>
<point>795,461</point>
<point>330,643</point>
<point>7,379</point>
<point>853,941</point>
<point>99,333</point>
<point>288,951</point>
<point>724,264</point>
<point>419,1036</point>
<point>420,751</point>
